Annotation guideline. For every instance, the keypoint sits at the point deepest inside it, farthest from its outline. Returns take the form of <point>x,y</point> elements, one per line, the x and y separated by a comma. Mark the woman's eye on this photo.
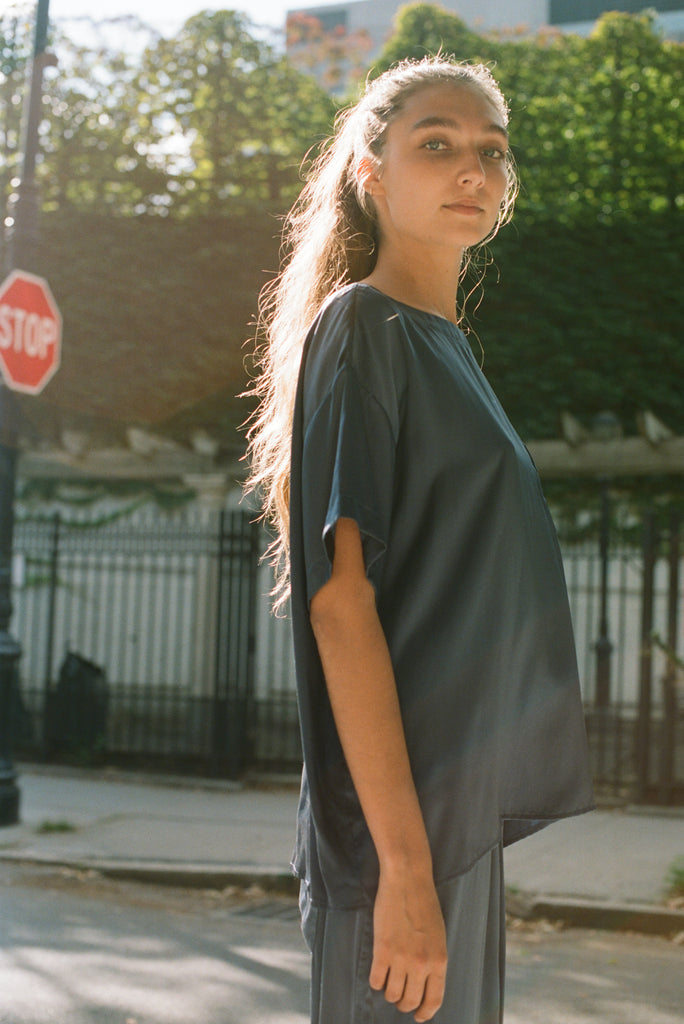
<point>435,144</point>
<point>494,153</point>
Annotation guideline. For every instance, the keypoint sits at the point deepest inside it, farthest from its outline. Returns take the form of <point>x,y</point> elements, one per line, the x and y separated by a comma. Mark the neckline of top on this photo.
<point>407,305</point>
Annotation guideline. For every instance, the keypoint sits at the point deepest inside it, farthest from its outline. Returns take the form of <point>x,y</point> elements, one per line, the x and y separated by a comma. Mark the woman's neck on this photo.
<point>430,285</point>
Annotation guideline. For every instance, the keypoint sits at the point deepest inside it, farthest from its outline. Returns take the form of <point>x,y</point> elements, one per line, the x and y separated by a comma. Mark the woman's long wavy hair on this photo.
<point>330,239</point>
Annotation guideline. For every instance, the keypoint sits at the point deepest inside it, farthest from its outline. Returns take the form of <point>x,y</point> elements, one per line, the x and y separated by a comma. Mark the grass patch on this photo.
<point>675,878</point>
<point>48,827</point>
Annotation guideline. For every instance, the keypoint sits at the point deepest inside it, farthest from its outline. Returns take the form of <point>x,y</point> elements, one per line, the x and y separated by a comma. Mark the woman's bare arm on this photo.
<point>409,952</point>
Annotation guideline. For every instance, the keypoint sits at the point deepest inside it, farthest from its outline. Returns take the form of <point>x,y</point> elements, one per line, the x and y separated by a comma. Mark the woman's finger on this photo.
<point>378,974</point>
<point>395,985</point>
<point>432,999</point>
<point>414,993</point>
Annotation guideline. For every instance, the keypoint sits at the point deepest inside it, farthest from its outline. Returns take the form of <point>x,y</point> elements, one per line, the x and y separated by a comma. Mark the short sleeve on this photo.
<point>348,464</point>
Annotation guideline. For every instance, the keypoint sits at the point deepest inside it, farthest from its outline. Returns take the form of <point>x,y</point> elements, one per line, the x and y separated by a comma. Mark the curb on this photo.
<point>643,918</point>
<point>186,876</point>
<point>270,880</point>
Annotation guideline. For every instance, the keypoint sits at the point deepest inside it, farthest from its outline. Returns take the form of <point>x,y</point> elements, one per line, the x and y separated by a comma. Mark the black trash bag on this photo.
<point>77,711</point>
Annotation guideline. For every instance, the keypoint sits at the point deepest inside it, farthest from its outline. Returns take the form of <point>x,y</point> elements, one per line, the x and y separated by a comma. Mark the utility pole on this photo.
<point>21,237</point>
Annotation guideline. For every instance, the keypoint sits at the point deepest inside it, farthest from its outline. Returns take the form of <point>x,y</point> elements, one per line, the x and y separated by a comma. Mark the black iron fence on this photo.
<point>138,638</point>
<point>148,639</point>
<point>626,598</point>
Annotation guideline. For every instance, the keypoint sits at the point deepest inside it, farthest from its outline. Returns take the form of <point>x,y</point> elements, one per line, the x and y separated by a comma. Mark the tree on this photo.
<point>92,156</point>
<point>14,51</point>
<point>88,147</point>
<point>240,116</point>
<point>212,119</point>
<point>598,123</point>
<point>422,29</point>
<point>585,317</point>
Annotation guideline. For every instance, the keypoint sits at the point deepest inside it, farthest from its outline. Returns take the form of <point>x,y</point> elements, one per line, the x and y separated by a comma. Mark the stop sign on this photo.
<point>30,332</point>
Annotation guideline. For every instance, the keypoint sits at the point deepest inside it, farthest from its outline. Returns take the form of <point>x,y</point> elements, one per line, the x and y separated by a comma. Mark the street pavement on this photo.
<point>79,948</point>
<point>606,869</point>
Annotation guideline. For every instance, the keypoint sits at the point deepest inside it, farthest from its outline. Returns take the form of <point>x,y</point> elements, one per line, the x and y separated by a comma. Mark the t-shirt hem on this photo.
<point>540,820</point>
<point>537,822</point>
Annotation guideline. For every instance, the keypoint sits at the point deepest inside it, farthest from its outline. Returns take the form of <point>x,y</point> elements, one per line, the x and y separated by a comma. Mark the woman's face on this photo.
<point>441,177</point>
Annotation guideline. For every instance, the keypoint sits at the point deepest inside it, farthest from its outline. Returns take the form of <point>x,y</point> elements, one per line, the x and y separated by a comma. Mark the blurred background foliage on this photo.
<point>166,169</point>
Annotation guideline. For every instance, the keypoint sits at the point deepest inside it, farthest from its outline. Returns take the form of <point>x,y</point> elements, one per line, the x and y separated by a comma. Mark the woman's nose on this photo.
<point>471,170</point>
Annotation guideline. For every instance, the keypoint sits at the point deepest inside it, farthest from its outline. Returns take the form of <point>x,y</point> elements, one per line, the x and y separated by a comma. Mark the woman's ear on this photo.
<point>368,176</point>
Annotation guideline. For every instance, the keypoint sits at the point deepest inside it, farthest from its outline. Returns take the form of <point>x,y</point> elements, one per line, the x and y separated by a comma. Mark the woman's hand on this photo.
<point>409,949</point>
<point>409,960</point>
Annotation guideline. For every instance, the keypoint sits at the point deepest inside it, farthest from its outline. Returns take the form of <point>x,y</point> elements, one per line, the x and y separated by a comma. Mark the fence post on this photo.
<point>235,640</point>
<point>667,748</point>
<point>643,733</point>
<point>220,700</point>
<point>50,630</point>
<point>255,538</point>
<point>604,646</point>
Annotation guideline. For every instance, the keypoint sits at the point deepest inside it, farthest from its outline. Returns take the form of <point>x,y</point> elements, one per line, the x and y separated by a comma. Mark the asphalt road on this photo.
<point>78,949</point>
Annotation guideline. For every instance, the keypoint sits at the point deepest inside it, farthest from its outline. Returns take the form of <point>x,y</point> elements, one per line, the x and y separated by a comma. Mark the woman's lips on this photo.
<point>468,209</point>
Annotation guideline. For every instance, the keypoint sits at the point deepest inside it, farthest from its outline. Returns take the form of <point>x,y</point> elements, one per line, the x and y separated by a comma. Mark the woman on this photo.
<point>437,682</point>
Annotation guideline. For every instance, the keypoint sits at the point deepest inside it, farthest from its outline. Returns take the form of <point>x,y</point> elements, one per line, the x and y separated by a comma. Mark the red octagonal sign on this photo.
<point>30,332</point>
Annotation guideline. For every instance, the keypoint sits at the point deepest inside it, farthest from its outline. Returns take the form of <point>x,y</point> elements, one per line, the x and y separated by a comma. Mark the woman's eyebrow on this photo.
<point>435,121</point>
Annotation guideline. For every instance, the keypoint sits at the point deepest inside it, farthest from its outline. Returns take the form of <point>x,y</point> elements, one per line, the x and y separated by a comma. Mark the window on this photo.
<point>329,17</point>
<point>561,12</point>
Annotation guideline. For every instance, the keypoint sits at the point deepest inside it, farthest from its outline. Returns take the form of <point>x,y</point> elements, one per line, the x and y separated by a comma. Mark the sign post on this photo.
<point>30,331</point>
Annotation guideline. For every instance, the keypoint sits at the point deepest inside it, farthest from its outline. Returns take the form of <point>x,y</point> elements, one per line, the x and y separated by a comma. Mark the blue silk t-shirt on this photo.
<point>396,427</point>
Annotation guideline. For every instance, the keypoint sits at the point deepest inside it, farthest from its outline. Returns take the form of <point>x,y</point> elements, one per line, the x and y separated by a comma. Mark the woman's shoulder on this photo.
<point>362,304</point>
<point>361,325</point>
<point>357,329</point>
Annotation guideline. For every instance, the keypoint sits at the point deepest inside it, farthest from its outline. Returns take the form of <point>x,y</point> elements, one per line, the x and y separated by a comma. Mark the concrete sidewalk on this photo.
<point>604,869</point>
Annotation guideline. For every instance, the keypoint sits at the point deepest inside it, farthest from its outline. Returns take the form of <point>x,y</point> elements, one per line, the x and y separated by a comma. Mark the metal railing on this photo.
<point>627,619</point>
<point>165,606</point>
<point>198,674</point>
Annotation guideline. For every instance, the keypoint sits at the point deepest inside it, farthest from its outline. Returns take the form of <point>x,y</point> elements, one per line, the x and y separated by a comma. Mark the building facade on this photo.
<point>375,17</point>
